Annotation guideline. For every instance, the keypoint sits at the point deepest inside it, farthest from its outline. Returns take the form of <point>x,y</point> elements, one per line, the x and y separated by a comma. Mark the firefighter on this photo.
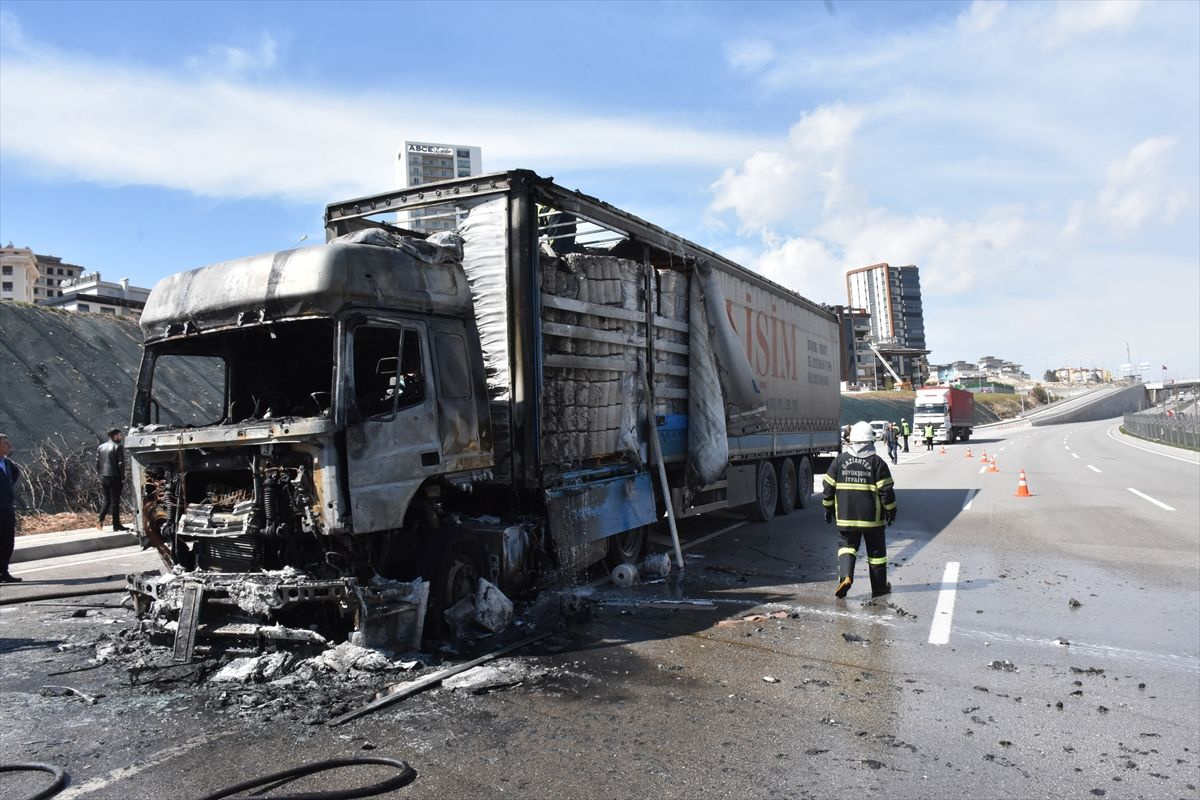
<point>860,497</point>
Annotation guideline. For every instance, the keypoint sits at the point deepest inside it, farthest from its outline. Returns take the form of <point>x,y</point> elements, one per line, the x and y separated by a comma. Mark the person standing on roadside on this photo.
<point>10,475</point>
<point>891,435</point>
<point>110,466</point>
<point>860,497</point>
<point>905,431</point>
<point>928,436</point>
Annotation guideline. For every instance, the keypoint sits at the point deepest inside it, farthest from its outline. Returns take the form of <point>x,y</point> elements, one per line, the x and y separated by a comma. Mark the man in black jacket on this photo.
<point>110,465</point>
<point>9,476</point>
<point>860,497</point>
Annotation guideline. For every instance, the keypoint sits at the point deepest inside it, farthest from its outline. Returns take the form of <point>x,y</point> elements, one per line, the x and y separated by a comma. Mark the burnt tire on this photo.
<point>804,482</point>
<point>455,577</point>
<point>787,487</point>
<point>766,492</point>
<point>625,548</point>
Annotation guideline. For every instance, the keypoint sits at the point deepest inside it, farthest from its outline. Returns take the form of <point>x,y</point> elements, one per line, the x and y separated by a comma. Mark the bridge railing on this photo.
<point>1181,430</point>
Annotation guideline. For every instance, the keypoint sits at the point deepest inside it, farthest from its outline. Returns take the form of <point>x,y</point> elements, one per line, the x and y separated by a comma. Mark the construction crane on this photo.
<point>900,383</point>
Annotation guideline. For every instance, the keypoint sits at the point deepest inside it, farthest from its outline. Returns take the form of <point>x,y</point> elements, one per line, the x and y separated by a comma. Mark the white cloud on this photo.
<point>217,135</point>
<point>799,181</point>
<point>235,60</point>
<point>1140,187</point>
<point>1071,19</point>
<point>981,15</point>
<point>749,55</point>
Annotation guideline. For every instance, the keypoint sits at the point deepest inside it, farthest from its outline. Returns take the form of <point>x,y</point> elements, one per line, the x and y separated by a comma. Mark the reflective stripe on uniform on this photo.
<point>854,523</point>
<point>866,487</point>
<point>829,480</point>
<point>890,506</point>
<point>846,551</point>
<point>827,503</point>
<point>885,482</point>
<point>874,562</point>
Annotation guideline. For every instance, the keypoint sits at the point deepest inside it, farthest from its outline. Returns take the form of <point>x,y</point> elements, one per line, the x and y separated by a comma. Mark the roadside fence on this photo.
<point>1179,429</point>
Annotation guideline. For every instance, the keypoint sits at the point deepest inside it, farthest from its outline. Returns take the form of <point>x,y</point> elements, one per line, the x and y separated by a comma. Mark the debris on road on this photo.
<point>770,679</point>
<point>854,638</point>
<point>1073,603</point>
<point>1003,666</point>
<point>753,618</point>
<point>1088,671</point>
<point>67,691</point>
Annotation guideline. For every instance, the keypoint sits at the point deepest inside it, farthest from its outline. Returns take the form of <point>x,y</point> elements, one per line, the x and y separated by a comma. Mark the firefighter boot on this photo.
<point>846,558</point>
<point>879,581</point>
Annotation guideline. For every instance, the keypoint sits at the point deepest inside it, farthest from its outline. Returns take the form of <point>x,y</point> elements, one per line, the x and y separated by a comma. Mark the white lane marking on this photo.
<point>63,564</point>
<point>1075,455</point>
<point>1093,469</point>
<point>943,613</point>
<point>970,498</point>
<point>1190,663</point>
<point>121,773</point>
<point>1158,503</point>
<point>1118,438</point>
<point>983,469</point>
<point>1002,449</point>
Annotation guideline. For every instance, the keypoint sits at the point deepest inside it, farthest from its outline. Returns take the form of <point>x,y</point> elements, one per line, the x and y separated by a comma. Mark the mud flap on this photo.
<point>189,620</point>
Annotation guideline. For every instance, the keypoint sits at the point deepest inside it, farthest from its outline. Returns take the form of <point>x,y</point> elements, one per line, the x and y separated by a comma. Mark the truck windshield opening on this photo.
<point>226,377</point>
<point>931,408</point>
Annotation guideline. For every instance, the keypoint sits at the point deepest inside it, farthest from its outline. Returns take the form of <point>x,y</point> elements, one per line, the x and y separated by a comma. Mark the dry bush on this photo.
<point>60,477</point>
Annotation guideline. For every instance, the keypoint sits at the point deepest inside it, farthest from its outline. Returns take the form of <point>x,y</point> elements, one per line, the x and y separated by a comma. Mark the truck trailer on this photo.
<point>379,422</point>
<point>951,412</point>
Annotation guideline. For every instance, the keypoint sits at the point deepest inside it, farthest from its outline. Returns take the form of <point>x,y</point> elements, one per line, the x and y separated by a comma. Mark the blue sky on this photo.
<point>1040,162</point>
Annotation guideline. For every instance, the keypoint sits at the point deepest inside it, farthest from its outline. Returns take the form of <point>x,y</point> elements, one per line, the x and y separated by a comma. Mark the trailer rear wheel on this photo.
<point>804,482</point>
<point>787,486</point>
<point>625,548</point>
<point>766,493</point>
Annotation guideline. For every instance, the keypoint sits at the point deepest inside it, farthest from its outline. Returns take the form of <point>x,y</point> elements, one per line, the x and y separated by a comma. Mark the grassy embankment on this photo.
<point>895,406</point>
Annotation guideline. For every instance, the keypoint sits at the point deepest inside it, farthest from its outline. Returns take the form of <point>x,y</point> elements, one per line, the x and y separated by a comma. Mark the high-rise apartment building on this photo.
<point>892,295</point>
<point>426,162</point>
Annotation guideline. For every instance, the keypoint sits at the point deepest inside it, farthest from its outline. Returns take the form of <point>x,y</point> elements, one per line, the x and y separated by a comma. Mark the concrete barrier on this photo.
<point>1105,406</point>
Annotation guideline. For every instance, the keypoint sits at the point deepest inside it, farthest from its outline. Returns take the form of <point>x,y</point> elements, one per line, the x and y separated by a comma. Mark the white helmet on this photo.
<point>862,432</point>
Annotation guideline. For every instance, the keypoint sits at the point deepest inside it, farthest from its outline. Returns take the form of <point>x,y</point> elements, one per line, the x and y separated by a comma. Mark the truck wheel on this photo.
<point>787,486</point>
<point>456,577</point>
<point>766,493</point>
<point>625,548</point>
<point>804,482</point>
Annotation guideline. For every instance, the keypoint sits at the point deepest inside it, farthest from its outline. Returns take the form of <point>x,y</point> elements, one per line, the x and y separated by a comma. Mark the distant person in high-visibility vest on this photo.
<point>860,498</point>
<point>905,431</point>
<point>928,436</point>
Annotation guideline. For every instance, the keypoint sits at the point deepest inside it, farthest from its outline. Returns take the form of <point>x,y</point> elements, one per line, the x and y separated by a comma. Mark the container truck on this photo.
<point>951,412</point>
<point>379,422</point>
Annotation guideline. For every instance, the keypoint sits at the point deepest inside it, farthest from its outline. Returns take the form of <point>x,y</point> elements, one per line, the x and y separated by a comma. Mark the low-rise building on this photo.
<point>18,274</point>
<point>52,272</point>
<point>89,292</point>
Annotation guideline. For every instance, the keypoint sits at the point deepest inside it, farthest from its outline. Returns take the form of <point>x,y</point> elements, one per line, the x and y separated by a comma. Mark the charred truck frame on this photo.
<point>370,426</point>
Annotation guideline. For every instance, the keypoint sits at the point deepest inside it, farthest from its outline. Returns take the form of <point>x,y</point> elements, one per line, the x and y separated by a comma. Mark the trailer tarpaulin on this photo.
<point>723,397</point>
<point>485,245</point>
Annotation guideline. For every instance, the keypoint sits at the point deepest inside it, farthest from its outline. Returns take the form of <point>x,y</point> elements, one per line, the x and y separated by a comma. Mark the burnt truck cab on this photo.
<point>305,409</point>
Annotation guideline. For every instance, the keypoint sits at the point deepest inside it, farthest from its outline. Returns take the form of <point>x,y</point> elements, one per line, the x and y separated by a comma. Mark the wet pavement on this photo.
<point>1071,666</point>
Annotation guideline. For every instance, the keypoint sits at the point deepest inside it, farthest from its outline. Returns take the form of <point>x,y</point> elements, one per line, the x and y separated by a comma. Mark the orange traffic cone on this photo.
<point>983,458</point>
<point>969,453</point>
<point>1022,486</point>
<point>992,466</point>
<point>942,451</point>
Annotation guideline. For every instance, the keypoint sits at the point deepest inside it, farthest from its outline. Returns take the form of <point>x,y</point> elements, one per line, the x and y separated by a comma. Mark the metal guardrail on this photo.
<point>1181,430</point>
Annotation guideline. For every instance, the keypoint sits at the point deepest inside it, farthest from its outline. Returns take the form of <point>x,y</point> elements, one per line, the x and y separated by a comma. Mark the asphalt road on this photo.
<point>1061,660</point>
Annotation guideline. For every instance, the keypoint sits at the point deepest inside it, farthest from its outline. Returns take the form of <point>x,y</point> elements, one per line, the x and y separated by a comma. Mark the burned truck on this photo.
<point>379,422</point>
